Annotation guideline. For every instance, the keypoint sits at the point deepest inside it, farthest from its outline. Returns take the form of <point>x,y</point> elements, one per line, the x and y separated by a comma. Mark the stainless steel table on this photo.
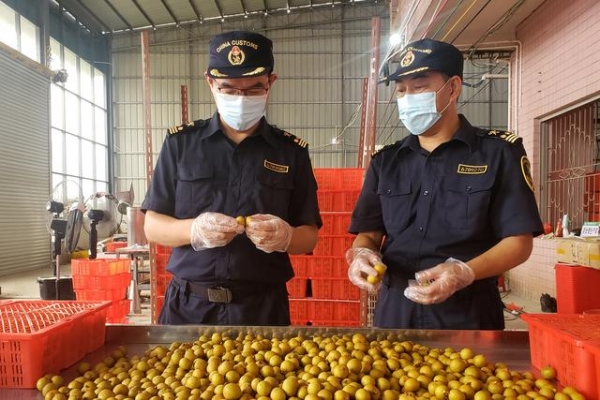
<point>510,347</point>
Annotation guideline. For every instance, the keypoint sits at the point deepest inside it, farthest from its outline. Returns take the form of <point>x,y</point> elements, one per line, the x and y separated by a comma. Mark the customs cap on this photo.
<point>240,54</point>
<point>428,55</point>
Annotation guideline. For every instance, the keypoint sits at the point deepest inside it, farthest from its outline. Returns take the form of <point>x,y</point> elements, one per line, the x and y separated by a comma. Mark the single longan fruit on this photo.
<point>380,268</point>
<point>241,220</point>
<point>373,279</point>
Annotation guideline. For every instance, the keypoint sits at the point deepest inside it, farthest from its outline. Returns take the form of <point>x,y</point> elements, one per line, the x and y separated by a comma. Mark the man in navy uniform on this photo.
<point>447,209</point>
<point>228,272</point>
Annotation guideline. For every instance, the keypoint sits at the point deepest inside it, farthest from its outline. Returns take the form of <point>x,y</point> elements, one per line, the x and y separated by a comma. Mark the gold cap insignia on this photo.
<point>256,71</point>
<point>217,73</point>
<point>526,170</point>
<point>236,56</point>
<point>408,58</point>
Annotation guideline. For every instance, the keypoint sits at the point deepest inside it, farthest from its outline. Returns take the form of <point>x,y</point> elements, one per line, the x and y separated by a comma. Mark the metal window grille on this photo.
<point>571,166</point>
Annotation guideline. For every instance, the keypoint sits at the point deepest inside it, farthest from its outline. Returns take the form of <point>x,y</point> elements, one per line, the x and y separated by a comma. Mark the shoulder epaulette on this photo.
<point>300,142</point>
<point>187,127</point>
<point>386,147</point>
<point>510,137</point>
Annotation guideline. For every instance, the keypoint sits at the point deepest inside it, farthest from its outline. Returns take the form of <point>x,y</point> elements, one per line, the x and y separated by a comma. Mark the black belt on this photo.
<point>220,294</point>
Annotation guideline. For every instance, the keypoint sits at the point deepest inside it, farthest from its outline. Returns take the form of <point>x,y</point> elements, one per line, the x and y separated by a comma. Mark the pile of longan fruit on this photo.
<point>329,367</point>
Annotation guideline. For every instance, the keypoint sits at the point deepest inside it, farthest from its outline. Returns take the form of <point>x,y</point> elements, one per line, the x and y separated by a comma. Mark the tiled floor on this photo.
<point>25,286</point>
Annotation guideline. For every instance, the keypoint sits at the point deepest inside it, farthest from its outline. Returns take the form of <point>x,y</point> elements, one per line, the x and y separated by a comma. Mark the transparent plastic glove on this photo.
<point>436,284</point>
<point>211,229</point>
<point>361,262</point>
<point>268,232</point>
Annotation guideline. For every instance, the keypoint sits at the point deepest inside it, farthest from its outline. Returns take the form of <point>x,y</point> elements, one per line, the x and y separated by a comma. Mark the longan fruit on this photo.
<point>241,220</point>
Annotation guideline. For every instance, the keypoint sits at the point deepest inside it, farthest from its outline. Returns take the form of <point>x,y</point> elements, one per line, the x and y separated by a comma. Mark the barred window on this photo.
<point>571,166</point>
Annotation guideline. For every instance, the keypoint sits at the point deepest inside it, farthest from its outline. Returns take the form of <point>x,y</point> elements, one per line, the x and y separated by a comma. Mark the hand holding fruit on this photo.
<point>436,284</point>
<point>268,232</point>
<point>211,230</point>
<point>365,268</point>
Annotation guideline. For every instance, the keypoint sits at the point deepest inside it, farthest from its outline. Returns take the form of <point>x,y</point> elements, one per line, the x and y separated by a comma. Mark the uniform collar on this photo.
<point>465,134</point>
<point>214,126</point>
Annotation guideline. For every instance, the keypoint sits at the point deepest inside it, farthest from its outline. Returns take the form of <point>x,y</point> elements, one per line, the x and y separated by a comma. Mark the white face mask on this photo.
<point>240,112</point>
<point>418,112</point>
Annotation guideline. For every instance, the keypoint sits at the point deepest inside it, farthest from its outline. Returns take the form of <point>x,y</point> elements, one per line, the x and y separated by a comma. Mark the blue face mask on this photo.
<point>418,112</point>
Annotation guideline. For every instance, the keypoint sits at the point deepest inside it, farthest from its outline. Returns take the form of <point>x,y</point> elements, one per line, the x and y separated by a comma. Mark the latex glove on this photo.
<point>361,262</point>
<point>211,229</point>
<point>436,284</point>
<point>268,232</point>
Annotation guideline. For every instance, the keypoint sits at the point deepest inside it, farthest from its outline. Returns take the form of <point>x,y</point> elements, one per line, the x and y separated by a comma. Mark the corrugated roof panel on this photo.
<point>105,14</point>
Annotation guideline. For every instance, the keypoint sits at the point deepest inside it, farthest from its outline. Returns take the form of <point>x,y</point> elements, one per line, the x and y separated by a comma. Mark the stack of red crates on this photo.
<point>39,337</point>
<point>159,279</point>
<point>105,279</point>
<point>321,293</point>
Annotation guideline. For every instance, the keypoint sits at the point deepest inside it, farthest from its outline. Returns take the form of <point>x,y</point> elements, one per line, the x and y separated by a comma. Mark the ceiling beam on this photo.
<point>118,14</point>
<point>170,12</point>
<point>244,8</point>
<point>219,9</point>
<point>84,15</point>
<point>144,13</point>
<point>193,5</point>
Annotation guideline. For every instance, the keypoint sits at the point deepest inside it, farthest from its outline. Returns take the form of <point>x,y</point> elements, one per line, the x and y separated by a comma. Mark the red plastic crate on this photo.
<point>297,287</point>
<point>160,249</point>
<point>161,262</point>
<point>112,247</point>
<point>300,311</point>
<point>335,223</point>
<point>335,313</point>
<point>106,295</point>
<point>301,266</point>
<point>162,281</point>
<point>99,266</point>
<point>334,289</point>
<point>329,245</point>
<point>329,267</point>
<point>574,284</point>
<point>559,340</point>
<point>337,200</point>
<point>39,337</point>
<point>339,178</point>
<point>101,282</point>
<point>117,311</point>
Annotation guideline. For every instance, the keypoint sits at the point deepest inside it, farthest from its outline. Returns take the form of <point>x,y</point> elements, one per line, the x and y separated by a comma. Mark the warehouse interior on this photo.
<point>123,73</point>
<point>90,92</point>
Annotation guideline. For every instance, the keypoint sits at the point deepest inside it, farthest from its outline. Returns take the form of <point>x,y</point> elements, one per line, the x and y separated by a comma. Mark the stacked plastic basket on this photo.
<point>39,337</point>
<point>159,279</point>
<point>321,293</point>
<point>103,279</point>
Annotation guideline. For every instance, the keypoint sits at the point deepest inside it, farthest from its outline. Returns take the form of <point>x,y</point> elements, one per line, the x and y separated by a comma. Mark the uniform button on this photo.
<point>426,192</point>
<point>469,188</point>
<point>388,191</point>
<point>420,229</point>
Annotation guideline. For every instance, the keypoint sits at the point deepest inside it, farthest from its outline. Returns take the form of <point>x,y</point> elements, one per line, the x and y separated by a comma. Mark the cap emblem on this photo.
<point>258,70</point>
<point>407,59</point>
<point>216,73</point>
<point>236,56</point>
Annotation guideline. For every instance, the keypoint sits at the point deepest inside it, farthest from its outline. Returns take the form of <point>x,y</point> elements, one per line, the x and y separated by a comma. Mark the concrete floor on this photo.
<point>25,286</point>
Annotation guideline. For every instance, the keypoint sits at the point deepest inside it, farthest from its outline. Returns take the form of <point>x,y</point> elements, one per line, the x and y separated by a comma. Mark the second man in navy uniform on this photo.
<point>447,209</point>
<point>225,271</point>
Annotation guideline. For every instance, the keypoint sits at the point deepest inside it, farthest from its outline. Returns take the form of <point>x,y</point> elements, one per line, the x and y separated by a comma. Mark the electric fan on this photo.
<point>64,218</point>
<point>102,218</point>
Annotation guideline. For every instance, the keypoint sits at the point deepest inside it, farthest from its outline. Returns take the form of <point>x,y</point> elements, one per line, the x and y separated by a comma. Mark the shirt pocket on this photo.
<point>467,201</point>
<point>273,192</point>
<point>395,205</point>
<point>195,189</point>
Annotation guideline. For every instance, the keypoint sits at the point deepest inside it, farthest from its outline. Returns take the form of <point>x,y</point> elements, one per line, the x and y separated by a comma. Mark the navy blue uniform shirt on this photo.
<point>457,201</point>
<point>200,169</point>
